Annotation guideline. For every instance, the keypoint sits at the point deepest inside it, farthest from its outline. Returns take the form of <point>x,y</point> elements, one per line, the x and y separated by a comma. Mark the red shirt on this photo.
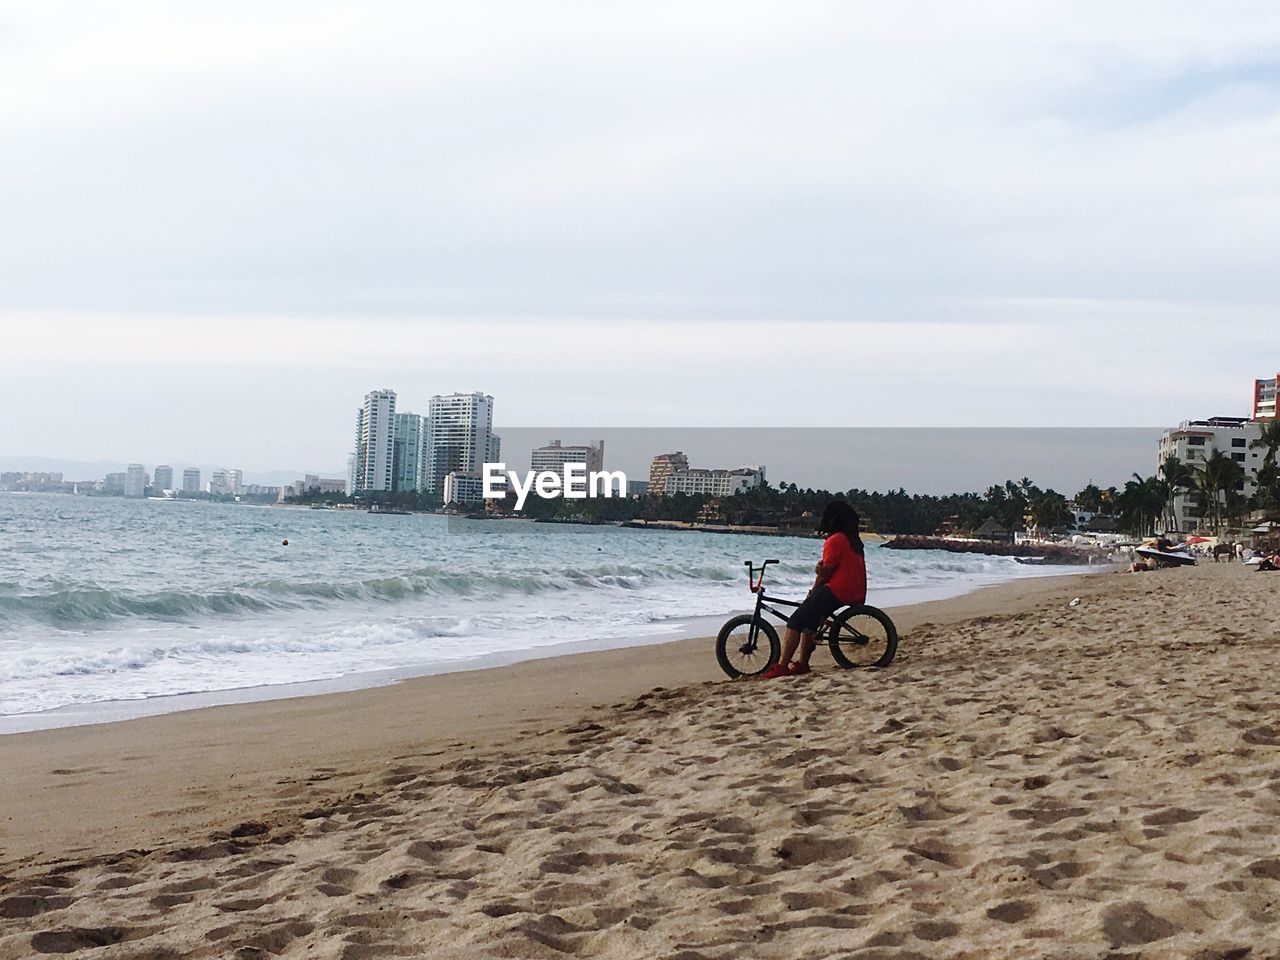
<point>849,581</point>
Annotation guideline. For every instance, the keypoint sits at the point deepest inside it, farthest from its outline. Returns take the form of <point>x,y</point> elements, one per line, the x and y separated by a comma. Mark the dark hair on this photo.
<point>839,517</point>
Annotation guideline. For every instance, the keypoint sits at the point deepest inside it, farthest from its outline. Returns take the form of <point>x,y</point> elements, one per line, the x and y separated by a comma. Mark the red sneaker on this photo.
<point>799,669</point>
<point>776,671</point>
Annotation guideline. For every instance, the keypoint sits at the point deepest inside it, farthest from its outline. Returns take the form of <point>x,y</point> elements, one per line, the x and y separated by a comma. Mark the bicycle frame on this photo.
<point>755,577</point>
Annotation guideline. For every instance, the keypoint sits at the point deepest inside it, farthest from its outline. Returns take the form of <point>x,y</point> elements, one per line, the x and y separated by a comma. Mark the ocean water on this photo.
<point>105,600</point>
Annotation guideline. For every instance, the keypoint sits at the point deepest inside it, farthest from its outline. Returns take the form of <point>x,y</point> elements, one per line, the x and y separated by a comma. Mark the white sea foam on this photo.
<point>148,599</point>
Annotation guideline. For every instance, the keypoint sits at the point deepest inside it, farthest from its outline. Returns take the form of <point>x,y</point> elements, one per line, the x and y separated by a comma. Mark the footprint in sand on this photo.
<point>24,907</point>
<point>71,939</point>
<point>1131,924</point>
<point>1012,911</point>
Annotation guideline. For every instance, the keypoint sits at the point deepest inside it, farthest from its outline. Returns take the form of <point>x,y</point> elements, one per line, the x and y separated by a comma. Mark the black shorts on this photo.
<point>820,604</point>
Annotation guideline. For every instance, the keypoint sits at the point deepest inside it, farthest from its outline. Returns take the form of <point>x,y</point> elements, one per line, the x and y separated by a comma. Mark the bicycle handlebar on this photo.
<point>756,583</point>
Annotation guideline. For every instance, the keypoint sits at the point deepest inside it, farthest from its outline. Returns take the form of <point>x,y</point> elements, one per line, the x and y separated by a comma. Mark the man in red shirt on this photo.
<point>841,579</point>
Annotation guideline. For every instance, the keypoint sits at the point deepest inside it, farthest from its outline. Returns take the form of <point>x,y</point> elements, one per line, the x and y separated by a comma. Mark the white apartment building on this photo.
<point>1193,440</point>
<point>314,483</point>
<point>458,437</point>
<point>162,479</point>
<point>555,455</point>
<point>191,480</point>
<point>261,490</point>
<point>375,442</point>
<point>406,469</point>
<point>716,483</point>
<point>462,487</point>
<point>135,481</point>
<point>324,484</point>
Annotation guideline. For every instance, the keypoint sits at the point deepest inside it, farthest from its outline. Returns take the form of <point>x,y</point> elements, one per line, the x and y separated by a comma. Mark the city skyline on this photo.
<point>330,436</point>
<point>943,461</point>
<point>946,473</point>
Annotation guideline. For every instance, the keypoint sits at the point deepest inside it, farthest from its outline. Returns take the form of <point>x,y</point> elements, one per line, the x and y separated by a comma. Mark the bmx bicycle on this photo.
<point>858,635</point>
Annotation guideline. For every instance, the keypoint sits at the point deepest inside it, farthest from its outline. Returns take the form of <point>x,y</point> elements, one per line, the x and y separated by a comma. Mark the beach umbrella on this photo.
<point>1197,540</point>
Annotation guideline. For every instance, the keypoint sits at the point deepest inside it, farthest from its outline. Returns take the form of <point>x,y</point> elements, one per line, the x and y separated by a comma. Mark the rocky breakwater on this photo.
<point>1038,553</point>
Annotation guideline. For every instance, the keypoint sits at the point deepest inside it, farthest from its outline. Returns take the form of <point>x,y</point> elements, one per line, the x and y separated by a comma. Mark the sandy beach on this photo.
<point>1031,778</point>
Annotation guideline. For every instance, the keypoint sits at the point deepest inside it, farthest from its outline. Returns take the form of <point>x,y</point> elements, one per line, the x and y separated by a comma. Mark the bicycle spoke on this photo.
<point>862,639</point>
<point>748,658</point>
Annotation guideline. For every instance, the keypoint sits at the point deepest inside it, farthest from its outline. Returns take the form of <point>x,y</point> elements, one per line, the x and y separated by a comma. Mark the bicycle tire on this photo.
<point>725,648</point>
<point>839,634</point>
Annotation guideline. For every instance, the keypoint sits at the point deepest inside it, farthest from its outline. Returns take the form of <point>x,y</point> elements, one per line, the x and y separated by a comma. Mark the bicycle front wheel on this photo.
<point>861,636</point>
<point>739,654</point>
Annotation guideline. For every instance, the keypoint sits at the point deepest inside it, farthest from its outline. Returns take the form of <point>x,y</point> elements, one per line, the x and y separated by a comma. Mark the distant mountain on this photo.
<point>97,469</point>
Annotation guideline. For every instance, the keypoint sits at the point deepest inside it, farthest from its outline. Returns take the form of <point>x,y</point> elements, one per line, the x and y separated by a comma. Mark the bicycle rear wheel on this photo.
<point>861,636</point>
<point>738,655</point>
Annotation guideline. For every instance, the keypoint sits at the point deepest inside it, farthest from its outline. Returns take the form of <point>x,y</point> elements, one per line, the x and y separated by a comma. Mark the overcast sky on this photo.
<point>223,223</point>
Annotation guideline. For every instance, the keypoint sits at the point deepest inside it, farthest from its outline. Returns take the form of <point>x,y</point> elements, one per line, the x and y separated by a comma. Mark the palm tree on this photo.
<point>1177,476</point>
<point>1048,511</point>
<point>1141,504</point>
<point>1236,506</point>
<point>1218,476</point>
<point>1090,498</point>
<point>1109,499</point>
<point>1269,439</point>
<point>1266,478</point>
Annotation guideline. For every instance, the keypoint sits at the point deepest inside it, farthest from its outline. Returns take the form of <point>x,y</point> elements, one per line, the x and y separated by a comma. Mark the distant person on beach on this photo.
<point>840,579</point>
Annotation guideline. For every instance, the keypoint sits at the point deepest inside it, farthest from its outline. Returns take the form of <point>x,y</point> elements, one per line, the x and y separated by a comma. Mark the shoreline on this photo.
<point>148,778</point>
<point>673,630</point>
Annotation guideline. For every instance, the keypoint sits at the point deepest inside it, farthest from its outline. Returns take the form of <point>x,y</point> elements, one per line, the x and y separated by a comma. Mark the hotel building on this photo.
<point>314,483</point>
<point>555,455</point>
<point>162,479</point>
<point>716,483</point>
<point>262,490</point>
<point>458,438</point>
<point>663,466</point>
<point>1192,441</point>
<point>191,480</point>
<point>375,442</point>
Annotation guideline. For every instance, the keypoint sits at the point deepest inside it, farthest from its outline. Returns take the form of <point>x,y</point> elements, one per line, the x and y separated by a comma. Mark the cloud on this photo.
<point>1065,212</point>
<point>581,157</point>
